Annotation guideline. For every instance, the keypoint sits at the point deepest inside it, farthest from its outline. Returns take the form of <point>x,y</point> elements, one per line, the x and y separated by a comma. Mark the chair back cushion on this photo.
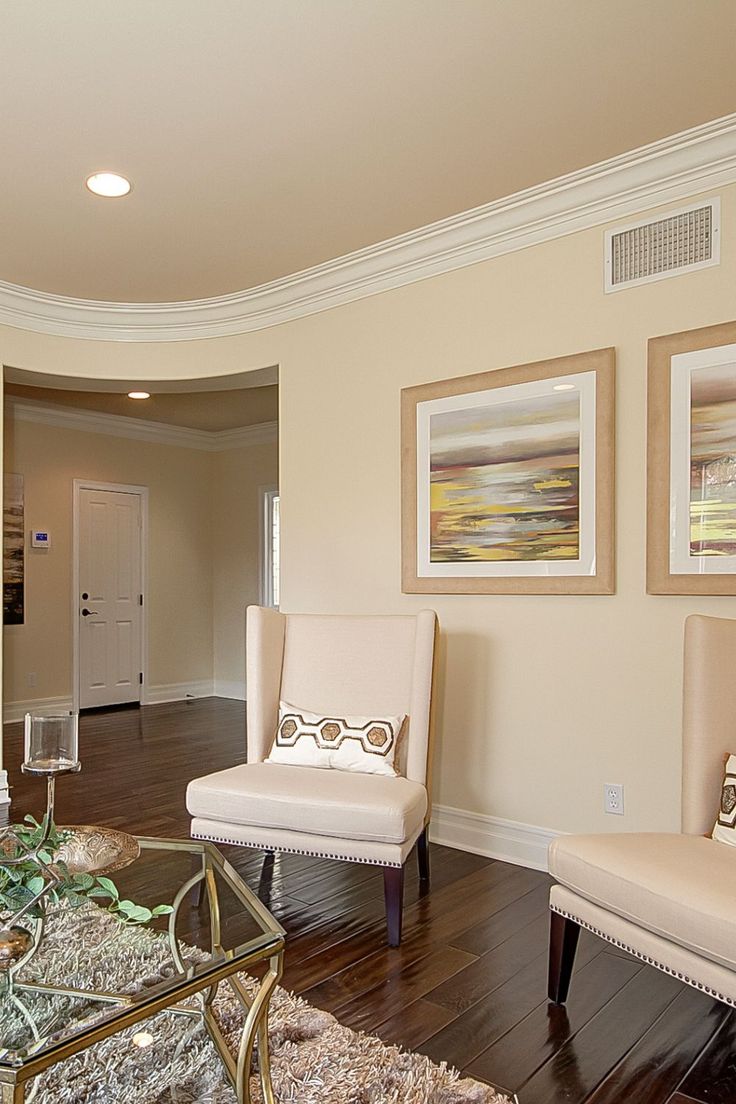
<point>709,717</point>
<point>341,665</point>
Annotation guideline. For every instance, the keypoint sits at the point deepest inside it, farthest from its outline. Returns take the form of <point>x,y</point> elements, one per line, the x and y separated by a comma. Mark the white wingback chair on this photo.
<point>666,898</point>
<point>333,665</point>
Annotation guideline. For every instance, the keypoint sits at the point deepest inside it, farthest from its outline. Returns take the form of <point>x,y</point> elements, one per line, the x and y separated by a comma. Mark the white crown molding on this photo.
<point>674,168</point>
<point>115,425</point>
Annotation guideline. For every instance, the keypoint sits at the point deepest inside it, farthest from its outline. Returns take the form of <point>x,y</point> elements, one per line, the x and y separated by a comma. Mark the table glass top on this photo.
<point>89,968</point>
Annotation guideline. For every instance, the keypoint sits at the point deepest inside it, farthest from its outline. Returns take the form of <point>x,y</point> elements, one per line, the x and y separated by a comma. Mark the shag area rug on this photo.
<point>315,1059</point>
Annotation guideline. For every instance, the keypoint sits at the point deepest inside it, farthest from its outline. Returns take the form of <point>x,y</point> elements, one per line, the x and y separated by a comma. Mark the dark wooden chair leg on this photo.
<point>423,855</point>
<point>265,882</point>
<point>393,891</point>
<point>199,889</point>
<point>563,942</point>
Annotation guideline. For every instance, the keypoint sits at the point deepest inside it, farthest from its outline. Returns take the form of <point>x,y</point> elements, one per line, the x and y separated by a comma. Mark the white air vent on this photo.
<point>682,241</point>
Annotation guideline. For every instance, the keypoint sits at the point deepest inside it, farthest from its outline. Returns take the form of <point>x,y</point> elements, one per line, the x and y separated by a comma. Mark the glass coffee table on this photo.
<point>51,1010</point>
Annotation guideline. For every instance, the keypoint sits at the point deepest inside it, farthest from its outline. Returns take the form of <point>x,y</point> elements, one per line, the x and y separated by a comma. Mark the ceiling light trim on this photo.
<point>159,433</point>
<point>674,168</point>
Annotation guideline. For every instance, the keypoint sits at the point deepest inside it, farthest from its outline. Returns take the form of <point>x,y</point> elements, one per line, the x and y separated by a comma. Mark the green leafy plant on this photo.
<point>21,881</point>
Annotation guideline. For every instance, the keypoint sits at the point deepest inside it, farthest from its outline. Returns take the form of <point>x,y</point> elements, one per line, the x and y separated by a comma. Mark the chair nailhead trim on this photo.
<point>297,851</point>
<point>646,958</point>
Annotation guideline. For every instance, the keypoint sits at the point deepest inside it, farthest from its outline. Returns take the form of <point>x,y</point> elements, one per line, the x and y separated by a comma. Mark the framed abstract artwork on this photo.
<point>507,480</point>
<point>691,462</point>
<point>13,550</point>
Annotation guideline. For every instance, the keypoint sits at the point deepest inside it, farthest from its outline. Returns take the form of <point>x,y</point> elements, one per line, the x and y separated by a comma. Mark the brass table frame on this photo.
<point>203,987</point>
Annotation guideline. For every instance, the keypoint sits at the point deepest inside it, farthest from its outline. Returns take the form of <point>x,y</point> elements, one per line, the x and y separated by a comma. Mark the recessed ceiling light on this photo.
<point>564,387</point>
<point>139,395</point>
<point>108,184</point>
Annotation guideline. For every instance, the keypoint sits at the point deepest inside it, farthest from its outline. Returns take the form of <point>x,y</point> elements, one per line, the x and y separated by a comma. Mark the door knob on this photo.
<point>89,613</point>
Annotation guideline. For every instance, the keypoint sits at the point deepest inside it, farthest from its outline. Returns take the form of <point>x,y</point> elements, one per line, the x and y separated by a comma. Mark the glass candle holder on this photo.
<point>51,743</point>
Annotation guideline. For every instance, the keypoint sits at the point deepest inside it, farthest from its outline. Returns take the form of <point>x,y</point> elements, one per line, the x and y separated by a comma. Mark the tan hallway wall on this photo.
<point>238,476</point>
<point>180,636</point>
<point>542,699</point>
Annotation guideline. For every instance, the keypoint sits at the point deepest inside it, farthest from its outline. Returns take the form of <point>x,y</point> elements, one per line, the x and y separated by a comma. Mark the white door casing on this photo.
<point>109,545</point>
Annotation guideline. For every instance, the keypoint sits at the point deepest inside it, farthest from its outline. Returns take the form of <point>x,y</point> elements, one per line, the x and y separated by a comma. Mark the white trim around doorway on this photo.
<point>123,488</point>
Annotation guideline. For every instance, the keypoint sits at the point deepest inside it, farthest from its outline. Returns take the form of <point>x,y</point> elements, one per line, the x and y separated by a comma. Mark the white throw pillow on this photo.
<point>725,826</point>
<point>366,745</point>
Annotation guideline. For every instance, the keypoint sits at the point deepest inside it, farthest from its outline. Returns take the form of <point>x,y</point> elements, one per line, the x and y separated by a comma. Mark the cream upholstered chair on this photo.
<point>668,899</point>
<point>334,666</point>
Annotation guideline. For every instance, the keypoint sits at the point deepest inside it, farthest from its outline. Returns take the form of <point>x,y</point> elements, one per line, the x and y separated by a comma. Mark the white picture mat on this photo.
<point>585,384</point>
<point>682,367</point>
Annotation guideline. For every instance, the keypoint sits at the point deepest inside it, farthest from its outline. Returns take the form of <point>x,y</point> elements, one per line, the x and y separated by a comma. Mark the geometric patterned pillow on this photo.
<point>725,826</point>
<point>366,745</point>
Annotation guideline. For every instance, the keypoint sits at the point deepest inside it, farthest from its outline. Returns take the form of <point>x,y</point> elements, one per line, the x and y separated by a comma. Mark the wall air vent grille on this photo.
<point>682,241</point>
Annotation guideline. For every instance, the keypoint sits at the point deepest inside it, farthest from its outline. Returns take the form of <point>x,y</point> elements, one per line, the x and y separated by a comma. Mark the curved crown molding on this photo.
<point>160,433</point>
<point>674,168</point>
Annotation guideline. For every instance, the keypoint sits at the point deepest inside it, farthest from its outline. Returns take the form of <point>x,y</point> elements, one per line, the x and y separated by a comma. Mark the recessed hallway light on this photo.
<point>139,395</point>
<point>108,184</point>
<point>564,387</point>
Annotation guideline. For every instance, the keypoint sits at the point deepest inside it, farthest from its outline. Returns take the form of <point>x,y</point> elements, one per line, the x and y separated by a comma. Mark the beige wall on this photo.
<point>542,699</point>
<point>179,553</point>
<point>203,554</point>
<point>238,475</point>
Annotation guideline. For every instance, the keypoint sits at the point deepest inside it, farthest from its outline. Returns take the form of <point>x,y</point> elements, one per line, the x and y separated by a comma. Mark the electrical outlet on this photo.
<point>613,798</point>
<point>31,678</point>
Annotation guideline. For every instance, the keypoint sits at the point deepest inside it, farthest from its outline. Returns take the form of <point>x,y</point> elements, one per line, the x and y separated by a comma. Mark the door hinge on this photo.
<point>140,599</point>
<point>140,678</point>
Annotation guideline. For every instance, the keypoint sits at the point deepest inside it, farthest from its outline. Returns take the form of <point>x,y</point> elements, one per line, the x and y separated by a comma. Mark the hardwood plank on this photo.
<point>535,1039</point>
<point>440,917</point>
<point>680,1098</point>
<point>485,974</point>
<point>415,1023</point>
<point>502,994</point>
<point>713,1077</point>
<point>374,1006</point>
<point>585,1061</point>
<point>657,1063</point>
<point>491,931</point>
<point>468,983</point>
<point>433,919</point>
<point>469,1033</point>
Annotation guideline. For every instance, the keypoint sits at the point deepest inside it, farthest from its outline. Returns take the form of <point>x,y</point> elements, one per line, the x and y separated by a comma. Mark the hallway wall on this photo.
<point>203,524</point>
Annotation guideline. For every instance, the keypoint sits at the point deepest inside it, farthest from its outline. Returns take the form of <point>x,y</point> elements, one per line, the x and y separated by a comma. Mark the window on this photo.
<point>270,544</point>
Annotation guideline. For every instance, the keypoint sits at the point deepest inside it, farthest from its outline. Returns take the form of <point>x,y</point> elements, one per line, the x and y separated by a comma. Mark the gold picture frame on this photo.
<point>544,429</point>
<point>688,373</point>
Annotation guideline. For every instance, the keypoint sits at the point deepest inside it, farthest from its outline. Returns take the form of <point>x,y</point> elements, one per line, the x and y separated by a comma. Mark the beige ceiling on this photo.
<point>266,137</point>
<point>210,410</point>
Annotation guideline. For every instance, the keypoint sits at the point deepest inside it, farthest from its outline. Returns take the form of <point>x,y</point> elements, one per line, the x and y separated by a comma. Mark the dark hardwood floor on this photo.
<point>467,984</point>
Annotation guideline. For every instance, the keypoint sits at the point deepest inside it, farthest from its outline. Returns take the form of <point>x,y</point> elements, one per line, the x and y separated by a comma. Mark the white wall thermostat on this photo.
<point>40,538</point>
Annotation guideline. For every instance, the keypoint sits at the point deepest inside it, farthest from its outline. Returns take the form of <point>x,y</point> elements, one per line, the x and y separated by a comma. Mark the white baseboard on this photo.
<point>4,799</point>
<point>178,691</point>
<point>16,711</point>
<point>523,844</point>
<point>225,689</point>
<point>152,695</point>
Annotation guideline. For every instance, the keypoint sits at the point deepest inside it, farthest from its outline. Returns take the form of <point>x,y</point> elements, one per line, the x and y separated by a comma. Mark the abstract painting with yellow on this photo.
<point>713,461</point>
<point>505,481</point>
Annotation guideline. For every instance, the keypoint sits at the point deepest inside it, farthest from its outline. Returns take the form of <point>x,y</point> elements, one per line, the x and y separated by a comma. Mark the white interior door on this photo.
<point>110,597</point>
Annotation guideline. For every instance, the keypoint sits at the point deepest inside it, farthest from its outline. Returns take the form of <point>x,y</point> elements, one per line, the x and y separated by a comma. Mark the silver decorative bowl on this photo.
<point>94,850</point>
<point>15,943</point>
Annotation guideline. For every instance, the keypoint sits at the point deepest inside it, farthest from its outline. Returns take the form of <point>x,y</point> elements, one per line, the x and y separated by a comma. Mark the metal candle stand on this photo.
<point>51,749</point>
